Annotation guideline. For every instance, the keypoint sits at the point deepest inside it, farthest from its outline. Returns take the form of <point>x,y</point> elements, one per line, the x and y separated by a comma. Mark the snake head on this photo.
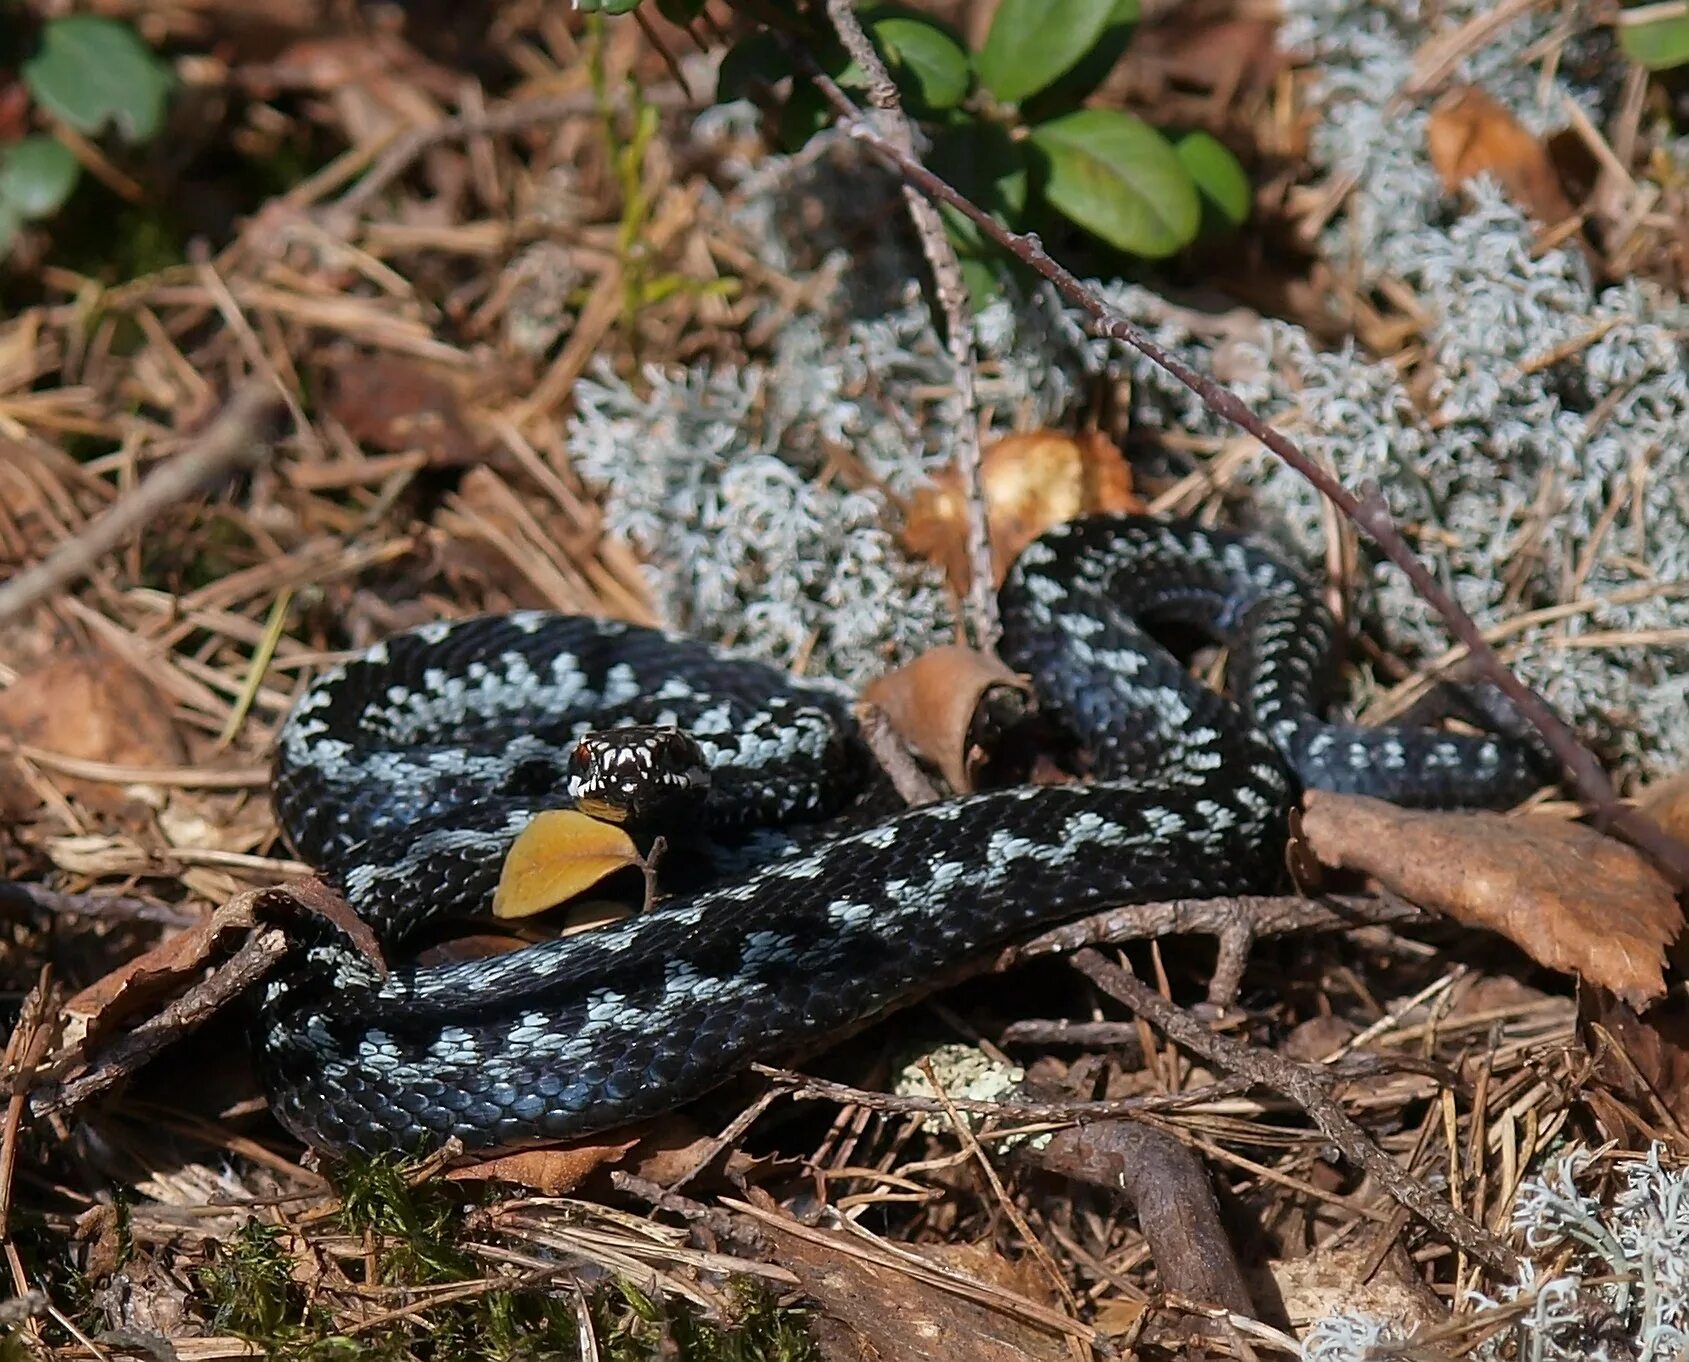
<point>643,776</point>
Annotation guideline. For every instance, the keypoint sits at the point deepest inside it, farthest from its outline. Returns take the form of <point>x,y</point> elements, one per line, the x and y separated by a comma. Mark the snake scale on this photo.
<point>406,773</point>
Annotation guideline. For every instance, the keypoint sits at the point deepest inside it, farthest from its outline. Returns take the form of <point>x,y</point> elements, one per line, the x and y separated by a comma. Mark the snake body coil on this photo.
<point>407,773</point>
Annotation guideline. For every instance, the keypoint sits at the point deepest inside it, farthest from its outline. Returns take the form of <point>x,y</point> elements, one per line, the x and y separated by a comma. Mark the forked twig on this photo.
<point>1366,511</point>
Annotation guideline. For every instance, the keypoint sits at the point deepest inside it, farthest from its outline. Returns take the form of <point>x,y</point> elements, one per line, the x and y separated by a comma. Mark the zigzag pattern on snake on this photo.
<point>406,773</point>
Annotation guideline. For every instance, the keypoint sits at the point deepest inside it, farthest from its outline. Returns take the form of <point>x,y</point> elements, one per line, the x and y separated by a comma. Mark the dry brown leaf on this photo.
<point>1569,897</point>
<point>871,1306</point>
<point>1667,803</point>
<point>932,701</point>
<point>92,706</point>
<point>143,983</point>
<point>1331,1282</point>
<point>549,1172</point>
<point>1653,1050</point>
<point>391,403</point>
<point>1471,133</point>
<point>560,854</point>
<point>1032,481</point>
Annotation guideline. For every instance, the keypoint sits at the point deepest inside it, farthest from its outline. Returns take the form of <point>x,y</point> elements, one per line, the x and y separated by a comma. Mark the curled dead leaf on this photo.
<point>1644,1058</point>
<point>142,983</point>
<point>933,702</point>
<point>1032,481</point>
<point>549,1172</point>
<point>559,855</point>
<point>145,982</point>
<point>1570,898</point>
<point>1471,133</point>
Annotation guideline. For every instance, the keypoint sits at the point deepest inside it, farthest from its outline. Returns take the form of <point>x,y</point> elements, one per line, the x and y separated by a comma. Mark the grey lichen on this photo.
<point>1620,1286</point>
<point>1546,469</point>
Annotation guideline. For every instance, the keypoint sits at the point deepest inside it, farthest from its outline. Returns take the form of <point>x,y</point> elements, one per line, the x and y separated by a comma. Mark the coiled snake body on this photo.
<point>406,773</point>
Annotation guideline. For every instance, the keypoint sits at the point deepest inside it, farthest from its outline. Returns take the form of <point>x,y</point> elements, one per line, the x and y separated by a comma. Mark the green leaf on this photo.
<point>36,176</point>
<point>989,167</point>
<point>982,280</point>
<point>1219,178</point>
<point>1118,178</point>
<point>1033,42</point>
<point>91,71</point>
<point>801,117</point>
<point>929,67</point>
<point>606,6</point>
<point>1088,74</point>
<point>756,60</point>
<point>1659,45</point>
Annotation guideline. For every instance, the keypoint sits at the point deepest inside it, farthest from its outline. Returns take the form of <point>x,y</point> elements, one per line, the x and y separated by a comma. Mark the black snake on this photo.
<point>406,773</point>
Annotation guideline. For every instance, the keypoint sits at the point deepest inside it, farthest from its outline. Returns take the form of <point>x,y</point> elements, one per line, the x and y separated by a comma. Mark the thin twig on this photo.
<point>1307,1086</point>
<point>1261,914</point>
<point>803,1088</point>
<point>109,907</point>
<point>239,438</point>
<point>1367,511</point>
<point>964,1133</point>
<point>951,291</point>
<point>25,1049</point>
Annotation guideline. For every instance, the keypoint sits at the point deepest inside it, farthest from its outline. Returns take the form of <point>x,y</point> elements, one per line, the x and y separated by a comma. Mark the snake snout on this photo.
<point>643,775</point>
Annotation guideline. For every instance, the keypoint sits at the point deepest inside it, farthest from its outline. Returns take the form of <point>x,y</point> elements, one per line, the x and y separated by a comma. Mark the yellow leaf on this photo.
<point>560,854</point>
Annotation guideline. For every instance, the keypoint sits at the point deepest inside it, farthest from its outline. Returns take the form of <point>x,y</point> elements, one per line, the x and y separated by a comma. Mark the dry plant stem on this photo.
<point>969,1142</point>
<point>1366,511</point>
<point>804,1088</point>
<point>25,1050</point>
<point>894,758</point>
<point>239,438</point>
<point>952,294</point>
<point>110,907</point>
<point>1168,1187</point>
<point>256,957</point>
<point>1306,1085</point>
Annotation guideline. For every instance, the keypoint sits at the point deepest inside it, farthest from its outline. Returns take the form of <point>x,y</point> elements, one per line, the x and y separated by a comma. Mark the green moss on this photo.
<point>413,1224</point>
<point>415,1229</point>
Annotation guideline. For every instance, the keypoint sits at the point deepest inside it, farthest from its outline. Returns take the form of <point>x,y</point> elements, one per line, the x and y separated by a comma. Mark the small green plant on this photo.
<point>641,285</point>
<point>1008,127</point>
<point>249,1283</point>
<point>89,72</point>
<point>414,1223</point>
